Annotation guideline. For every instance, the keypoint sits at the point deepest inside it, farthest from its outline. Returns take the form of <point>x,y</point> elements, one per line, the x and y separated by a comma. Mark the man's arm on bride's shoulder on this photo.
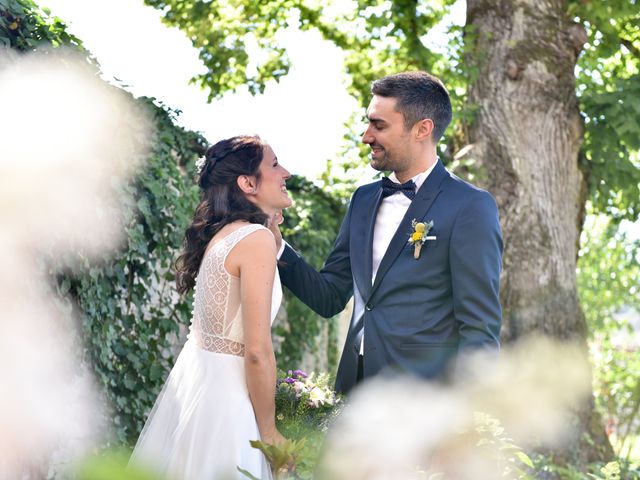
<point>326,292</point>
<point>256,258</point>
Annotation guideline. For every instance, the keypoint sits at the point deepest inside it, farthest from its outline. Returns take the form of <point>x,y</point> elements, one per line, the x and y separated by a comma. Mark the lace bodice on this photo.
<point>217,315</point>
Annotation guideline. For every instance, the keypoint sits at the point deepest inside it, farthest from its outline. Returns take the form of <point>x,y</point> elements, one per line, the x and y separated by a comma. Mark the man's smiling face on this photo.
<point>390,142</point>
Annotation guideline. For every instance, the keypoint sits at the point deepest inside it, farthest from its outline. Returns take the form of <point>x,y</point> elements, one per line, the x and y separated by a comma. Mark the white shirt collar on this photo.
<point>419,178</point>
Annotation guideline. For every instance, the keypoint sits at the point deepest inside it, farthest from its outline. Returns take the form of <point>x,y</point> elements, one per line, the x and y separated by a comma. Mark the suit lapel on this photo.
<point>369,208</point>
<point>417,210</point>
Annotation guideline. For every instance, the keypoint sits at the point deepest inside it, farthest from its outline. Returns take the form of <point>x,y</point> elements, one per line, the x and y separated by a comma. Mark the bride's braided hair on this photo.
<point>222,201</point>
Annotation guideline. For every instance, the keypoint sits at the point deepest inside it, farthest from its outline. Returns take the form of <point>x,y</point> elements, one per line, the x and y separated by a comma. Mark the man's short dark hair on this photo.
<point>419,95</point>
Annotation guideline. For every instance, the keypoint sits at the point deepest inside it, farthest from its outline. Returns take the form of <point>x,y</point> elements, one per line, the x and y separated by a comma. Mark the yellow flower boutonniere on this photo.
<point>419,235</point>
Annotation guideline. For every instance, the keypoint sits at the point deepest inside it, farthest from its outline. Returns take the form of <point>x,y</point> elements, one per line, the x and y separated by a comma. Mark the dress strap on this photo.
<point>223,246</point>
<point>234,237</point>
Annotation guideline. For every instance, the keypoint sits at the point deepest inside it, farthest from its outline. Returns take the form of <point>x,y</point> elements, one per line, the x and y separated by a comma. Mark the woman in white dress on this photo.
<point>220,393</point>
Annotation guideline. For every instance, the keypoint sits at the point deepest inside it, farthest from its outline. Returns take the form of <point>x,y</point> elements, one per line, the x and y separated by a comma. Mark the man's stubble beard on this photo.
<point>379,165</point>
<point>387,164</point>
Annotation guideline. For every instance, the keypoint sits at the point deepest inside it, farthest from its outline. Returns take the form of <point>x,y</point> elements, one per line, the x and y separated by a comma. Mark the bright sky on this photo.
<point>302,117</point>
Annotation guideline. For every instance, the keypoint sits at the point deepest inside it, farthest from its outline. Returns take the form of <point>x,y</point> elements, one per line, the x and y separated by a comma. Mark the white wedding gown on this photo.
<point>203,419</point>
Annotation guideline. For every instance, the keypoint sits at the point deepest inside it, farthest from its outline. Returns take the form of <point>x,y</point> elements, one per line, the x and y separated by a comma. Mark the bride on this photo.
<point>220,393</point>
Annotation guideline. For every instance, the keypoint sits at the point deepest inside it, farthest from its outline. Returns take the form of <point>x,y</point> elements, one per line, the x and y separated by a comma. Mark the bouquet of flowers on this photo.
<point>305,405</point>
<point>305,402</point>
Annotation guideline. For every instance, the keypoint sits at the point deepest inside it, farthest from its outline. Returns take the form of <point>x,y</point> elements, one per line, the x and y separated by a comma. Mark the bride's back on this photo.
<point>216,325</point>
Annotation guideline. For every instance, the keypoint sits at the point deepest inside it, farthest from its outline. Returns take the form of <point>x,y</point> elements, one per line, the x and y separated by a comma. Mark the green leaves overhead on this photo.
<point>24,26</point>
<point>612,143</point>
<point>239,45</point>
<point>225,32</point>
<point>385,36</point>
<point>608,86</point>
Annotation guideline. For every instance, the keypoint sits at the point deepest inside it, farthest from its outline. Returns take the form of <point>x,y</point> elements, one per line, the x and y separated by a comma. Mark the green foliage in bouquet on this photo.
<point>305,402</point>
<point>283,458</point>
<point>305,406</point>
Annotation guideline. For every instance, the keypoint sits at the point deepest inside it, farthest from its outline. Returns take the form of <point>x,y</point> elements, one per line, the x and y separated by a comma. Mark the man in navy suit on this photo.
<point>416,308</point>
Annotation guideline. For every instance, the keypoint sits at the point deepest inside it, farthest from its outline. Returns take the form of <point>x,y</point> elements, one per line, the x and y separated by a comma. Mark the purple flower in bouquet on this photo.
<point>305,401</point>
<point>299,388</point>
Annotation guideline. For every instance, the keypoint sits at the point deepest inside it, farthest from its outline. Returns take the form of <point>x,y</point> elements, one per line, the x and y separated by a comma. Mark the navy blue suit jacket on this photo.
<point>419,313</point>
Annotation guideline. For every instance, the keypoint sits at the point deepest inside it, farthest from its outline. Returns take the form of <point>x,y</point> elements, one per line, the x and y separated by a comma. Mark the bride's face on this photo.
<point>271,193</point>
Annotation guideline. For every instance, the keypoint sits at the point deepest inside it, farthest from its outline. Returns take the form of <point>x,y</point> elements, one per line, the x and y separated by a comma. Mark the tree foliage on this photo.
<point>222,33</point>
<point>608,274</point>
<point>24,27</point>
<point>608,86</point>
<point>385,36</point>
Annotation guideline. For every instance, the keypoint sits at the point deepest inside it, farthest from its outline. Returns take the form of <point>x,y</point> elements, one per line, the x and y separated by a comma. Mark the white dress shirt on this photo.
<point>390,214</point>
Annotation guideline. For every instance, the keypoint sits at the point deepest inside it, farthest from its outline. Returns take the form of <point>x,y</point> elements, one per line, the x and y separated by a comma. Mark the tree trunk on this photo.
<point>526,136</point>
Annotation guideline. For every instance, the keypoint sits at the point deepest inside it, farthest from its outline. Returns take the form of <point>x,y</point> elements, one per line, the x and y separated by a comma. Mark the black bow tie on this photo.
<point>390,187</point>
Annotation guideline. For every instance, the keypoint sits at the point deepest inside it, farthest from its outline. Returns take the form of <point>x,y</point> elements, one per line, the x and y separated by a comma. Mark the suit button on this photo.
<point>369,307</point>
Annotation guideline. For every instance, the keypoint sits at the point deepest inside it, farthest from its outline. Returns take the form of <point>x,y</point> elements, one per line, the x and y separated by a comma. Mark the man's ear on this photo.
<point>423,129</point>
<point>247,184</point>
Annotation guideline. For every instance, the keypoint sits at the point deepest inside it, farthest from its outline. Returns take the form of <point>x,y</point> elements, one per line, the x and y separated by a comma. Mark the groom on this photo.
<point>417,305</point>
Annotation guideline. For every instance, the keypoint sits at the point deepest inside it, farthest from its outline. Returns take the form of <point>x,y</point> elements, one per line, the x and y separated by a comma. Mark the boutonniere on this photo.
<point>419,235</point>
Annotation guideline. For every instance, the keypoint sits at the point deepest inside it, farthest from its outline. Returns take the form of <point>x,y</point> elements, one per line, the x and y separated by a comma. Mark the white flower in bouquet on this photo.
<point>317,397</point>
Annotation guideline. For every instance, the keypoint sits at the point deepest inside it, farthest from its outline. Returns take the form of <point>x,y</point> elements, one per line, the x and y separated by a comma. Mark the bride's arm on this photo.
<point>257,268</point>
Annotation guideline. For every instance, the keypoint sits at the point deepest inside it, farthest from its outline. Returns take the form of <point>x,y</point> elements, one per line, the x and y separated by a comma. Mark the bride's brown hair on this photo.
<point>222,201</point>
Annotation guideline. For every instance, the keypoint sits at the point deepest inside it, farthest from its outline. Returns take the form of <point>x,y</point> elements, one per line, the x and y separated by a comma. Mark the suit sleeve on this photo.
<point>476,262</point>
<point>326,292</point>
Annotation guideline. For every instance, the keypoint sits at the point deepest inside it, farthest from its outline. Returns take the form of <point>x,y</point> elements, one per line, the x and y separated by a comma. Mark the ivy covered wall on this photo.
<point>133,321</point>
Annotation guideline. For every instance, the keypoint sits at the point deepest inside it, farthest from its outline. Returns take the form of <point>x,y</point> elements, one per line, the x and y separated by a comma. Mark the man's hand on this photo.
<point>273,223</point>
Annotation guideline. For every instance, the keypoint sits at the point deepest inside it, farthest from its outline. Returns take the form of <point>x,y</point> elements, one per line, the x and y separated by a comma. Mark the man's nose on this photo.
<point>367,137</point>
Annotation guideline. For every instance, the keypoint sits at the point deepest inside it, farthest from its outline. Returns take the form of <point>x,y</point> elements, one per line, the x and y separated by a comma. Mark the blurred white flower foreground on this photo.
<point>68,138</point>
<point>401,428</point>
